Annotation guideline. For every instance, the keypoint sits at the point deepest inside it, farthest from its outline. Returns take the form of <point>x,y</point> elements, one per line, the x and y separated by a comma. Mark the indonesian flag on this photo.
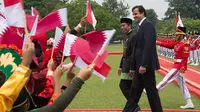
<point>9,36</point>
<point>75,46</point>
<point>102,72</point>
<point>90,15</point>
<point>50,22</point>
<point>179,22</point>
<point>14,13</point>
<point>99,40</point>
<point>58,37</point>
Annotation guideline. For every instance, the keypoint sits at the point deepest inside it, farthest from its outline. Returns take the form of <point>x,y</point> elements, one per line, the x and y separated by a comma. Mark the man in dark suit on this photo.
<point>144,63</point>
<point>124,68</point>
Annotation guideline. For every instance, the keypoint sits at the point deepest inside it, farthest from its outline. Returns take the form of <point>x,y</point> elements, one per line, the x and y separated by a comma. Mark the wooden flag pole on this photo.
<point>62,58</point>
<point>52,52</point>
<point>95,59</point>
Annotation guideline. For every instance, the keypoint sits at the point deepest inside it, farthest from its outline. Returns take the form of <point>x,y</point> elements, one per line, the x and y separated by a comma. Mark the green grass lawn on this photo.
<point>96,94</point>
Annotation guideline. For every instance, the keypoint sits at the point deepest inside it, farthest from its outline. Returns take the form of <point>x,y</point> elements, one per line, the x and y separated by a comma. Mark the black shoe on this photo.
<point>137,109</point>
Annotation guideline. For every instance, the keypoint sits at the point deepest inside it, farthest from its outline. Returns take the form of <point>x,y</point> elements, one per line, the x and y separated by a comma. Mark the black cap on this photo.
<point>126,20</point>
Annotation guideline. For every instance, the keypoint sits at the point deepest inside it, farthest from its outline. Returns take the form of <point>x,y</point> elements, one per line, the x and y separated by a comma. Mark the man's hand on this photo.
<point>86,73</point>
<point>83,21</point>
<point>71,73</point>
<point>142,70</point>
<point>59,70</point>
<point>67,29</point>
<point>50,65</point>
<point>119,71</point>
<point>28,53</point>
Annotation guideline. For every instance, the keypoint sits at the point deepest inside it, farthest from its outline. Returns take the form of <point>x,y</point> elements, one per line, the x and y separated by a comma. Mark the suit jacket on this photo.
<point>144,50</point>
<point>126,58</point>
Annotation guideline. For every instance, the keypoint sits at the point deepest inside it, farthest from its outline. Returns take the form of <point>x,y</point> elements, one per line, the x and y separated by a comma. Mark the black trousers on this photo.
<point>141,81</point>
<point>125,86</point>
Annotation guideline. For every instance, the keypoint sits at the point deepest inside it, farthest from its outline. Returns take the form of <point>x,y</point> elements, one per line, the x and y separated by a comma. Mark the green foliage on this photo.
<point>169,26</point>
<point>117,9</point>
<point>187,8</point>
<point>43,6</point>
<point>152,16</point>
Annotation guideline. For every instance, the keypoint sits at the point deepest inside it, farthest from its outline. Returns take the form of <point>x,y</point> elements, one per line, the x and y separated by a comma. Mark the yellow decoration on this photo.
<point>8,59</point>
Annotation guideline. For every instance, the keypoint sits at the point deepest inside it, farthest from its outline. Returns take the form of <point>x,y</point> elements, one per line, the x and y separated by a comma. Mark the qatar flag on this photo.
<point>14,13</point>
<point>50,22</point>
<point>75,46</point>
<point>102,72</point>
<point>9,36</point>
<point>58,38</point>
<point>99,40</point>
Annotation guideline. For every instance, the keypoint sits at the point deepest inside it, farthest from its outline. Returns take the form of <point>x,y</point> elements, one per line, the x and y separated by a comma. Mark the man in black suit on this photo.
<point>124,68</point>
<point>144,63</point>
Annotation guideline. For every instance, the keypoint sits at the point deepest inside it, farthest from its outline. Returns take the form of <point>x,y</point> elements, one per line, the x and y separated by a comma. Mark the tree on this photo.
<point>44,6</point>
<point>105,20</point>
<point>76,10</point>
<point>152,16</point>
<point>169,26</point>
<point>187,8</point>
<point>117,9</point>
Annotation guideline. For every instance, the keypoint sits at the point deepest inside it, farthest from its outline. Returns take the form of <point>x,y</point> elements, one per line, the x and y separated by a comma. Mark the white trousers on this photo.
<point>196,57</point>
<point>191,56</point>
<point>174,74</point>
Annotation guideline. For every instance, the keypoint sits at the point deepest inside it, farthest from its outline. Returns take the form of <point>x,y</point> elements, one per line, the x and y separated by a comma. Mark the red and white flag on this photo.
<point>50,22</point>
<point>102,72</point>
<point>34,12</point>
<point>32,33</point>
<point>90,15</point>
<point>14,13</point>
<point>34,28</point>
<point>30,21</point>
<point>99,40</point>
<point>58,37</point>
<point>179,21</point>
<point>2,13</point>
<point>75,46</point>
<point>9,36</point>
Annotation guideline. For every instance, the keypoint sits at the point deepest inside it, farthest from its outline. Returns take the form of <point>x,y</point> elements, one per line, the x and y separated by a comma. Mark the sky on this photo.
<point>160,6</point>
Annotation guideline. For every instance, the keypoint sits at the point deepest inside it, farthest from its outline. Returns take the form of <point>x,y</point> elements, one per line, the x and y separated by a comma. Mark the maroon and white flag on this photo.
<point>50,22</point>
<point>34,12</point>
<point>75,46</point>
<point>58,38</point>
<point>102,72</point>
<point>9,36</point>
<point>99,40</point>
<point>14,13</point>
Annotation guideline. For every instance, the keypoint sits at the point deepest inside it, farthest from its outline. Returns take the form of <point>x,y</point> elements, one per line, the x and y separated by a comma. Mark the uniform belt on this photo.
<point>177,60</point>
